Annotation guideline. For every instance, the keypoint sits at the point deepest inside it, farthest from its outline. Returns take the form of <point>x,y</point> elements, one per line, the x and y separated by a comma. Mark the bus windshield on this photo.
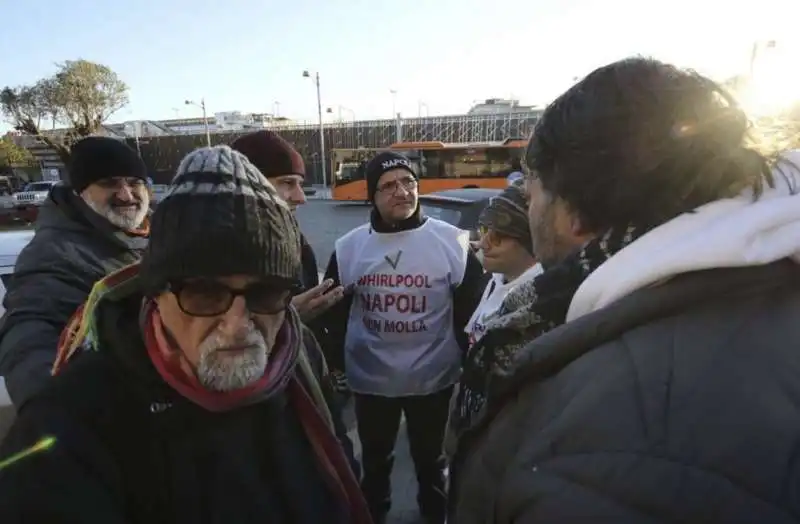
<point>347,164</point>
<point>348,171</point>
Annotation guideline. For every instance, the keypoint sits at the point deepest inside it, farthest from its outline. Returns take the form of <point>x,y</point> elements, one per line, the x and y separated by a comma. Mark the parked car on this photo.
<point>27,202</point>
<point>459,207</point>
<point>11,243</point>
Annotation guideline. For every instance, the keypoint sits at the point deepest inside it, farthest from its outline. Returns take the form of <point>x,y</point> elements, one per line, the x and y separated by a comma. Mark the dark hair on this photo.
<point>639,142</point>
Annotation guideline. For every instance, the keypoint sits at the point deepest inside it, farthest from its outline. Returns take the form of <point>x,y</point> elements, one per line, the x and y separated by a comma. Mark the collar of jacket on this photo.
<point>379,225</point>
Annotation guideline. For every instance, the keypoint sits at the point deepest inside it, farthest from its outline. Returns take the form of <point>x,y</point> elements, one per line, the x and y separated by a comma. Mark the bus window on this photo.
<point>500,158</point>
<point>347,163</point>
<point>468,162</point>
<point>457,163</point>
<point>471,163</point>
<point>433,163</point>
<point>347,171</point>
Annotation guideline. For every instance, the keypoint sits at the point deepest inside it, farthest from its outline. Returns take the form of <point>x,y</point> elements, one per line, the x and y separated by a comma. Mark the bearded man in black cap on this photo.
<point>414,284</point>
<point>87,228</point>
<point>194,393</point>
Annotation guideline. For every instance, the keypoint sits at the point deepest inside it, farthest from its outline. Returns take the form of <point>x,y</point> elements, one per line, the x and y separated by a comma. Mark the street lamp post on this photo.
<point>306,74</point>
<point>136,132</point>
<point>394,103</point>
<point>202,105</point>
<point>420,105</point>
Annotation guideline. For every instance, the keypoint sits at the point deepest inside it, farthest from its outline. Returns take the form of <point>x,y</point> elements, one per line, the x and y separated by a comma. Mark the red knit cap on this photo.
<point>270,153</point>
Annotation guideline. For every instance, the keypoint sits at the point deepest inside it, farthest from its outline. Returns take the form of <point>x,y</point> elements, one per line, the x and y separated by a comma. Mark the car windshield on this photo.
<point>446,214</point>
<point>39,186</point>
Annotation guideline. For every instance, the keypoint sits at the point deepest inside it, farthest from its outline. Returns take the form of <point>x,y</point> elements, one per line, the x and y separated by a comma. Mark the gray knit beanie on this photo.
<point>220,217</point>
<point>507,214</point>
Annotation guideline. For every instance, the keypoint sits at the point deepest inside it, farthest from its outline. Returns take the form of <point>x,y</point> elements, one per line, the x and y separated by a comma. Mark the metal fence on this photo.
<point>162,154</point>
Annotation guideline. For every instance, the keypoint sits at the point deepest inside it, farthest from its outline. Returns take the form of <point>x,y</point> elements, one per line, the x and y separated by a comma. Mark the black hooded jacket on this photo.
<point>73,248</point>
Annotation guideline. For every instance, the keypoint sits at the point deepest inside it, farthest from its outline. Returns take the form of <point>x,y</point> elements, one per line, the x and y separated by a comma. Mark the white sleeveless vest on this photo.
<point>400,338</point>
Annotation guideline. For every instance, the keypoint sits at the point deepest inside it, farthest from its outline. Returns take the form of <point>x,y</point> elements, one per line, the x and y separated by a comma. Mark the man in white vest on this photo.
<point>413,283</point>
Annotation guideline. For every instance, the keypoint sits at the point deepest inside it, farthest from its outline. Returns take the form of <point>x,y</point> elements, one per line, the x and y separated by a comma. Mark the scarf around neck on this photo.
<point>174,368</point>
<point>305,396</point>
<point>530,310</point>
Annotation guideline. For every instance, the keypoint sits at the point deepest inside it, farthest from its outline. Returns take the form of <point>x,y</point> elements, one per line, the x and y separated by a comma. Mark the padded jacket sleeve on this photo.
<point>42,296</point>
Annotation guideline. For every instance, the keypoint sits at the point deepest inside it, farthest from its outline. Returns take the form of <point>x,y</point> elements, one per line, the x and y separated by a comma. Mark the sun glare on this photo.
<point>775,84</point>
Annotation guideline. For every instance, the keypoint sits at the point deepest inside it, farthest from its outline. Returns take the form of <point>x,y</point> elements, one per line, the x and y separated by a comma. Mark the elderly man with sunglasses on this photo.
<point>93,224</point>
<point>414,283</point>
<point>189,391</point>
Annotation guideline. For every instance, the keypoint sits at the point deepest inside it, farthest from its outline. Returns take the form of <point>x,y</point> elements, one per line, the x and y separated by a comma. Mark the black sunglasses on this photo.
<point>210,298</point>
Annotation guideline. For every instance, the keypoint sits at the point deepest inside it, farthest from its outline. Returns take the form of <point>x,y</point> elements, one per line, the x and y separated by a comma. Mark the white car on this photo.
<point>34,194</point>
<point>11,243</point>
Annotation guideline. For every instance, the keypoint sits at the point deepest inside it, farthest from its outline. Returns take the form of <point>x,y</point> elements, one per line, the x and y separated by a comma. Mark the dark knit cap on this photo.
<point>270,153</point>
<point>220,217</point>
<point>97,157</point>
<point>380,164</point>
<point>507,214</point>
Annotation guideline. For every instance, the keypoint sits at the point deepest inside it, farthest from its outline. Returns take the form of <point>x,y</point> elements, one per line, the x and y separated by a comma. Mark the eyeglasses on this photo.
<point>408,183</point>
<point>490,236</point>
<point>209,298</point>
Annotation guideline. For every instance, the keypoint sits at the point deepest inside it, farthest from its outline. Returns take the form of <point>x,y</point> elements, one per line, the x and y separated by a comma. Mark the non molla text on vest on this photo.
<point>394,326</point>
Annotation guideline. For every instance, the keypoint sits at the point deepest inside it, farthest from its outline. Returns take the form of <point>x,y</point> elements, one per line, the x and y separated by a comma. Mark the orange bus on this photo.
<point>439,165</point>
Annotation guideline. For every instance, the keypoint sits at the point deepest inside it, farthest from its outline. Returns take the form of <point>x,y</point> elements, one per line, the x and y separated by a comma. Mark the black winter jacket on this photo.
<point>678,403</point>
<point>72,249</point>
<point>129,449</point>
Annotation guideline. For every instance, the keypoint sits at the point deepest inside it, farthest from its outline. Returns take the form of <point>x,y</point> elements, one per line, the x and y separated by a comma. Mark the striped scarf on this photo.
<point>530,310</point>
<point>80,330</point>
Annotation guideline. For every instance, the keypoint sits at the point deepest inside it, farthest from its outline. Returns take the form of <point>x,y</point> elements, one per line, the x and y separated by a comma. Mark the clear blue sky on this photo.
<point>247,54</point>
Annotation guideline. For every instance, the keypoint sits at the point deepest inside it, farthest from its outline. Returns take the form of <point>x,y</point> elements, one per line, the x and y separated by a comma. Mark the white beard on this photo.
<point>125,219</point>
<point>220,371</point>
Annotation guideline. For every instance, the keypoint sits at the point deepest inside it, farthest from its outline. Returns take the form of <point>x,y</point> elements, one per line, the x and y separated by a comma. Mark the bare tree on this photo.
<point>82,95</point>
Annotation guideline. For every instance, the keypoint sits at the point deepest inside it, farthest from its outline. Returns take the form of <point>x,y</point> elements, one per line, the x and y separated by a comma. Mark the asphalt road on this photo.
<point>323,222</point>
